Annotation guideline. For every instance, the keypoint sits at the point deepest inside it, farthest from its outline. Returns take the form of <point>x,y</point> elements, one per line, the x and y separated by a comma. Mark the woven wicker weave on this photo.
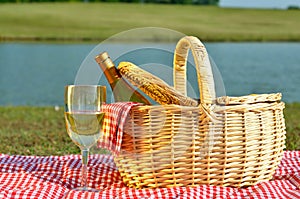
<point>228,141</point>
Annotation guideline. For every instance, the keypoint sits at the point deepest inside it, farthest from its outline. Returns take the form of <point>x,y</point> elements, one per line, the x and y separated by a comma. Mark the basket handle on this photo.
<point>203,67</point>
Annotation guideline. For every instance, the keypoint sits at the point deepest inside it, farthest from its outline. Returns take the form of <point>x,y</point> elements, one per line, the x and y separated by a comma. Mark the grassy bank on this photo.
<point>34,130</point>
<point>98,21</point>
<point>41,131</point>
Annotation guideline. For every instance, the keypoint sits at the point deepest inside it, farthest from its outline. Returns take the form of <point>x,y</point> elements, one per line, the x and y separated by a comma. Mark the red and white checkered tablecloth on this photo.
<point>52,176</point>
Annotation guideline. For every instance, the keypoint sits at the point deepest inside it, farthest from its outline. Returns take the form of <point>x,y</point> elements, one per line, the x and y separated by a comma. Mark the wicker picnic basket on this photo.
<point>226,141</point>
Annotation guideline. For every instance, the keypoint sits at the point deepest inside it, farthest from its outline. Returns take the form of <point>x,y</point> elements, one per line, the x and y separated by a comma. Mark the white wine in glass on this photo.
<point>84,120</point>
<point>84,128</point>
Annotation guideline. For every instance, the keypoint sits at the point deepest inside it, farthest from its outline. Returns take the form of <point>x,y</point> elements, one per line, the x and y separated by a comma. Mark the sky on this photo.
<point>277,4</point>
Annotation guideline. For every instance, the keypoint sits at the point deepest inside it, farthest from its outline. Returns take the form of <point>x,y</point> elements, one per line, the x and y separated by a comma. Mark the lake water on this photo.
<point>35,74</point>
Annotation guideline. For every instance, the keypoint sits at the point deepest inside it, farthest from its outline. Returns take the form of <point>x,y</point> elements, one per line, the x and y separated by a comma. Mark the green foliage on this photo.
<point>294,8</point>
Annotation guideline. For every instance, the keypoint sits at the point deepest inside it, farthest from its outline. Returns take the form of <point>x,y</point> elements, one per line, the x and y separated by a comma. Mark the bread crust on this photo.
<point>153,86</point>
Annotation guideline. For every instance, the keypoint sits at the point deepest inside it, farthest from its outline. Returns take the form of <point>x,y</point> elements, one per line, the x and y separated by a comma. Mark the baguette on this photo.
<point>153,86</point>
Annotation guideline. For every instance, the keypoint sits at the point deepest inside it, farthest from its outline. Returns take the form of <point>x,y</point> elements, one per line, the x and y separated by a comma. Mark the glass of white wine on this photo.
<point>84,121</point>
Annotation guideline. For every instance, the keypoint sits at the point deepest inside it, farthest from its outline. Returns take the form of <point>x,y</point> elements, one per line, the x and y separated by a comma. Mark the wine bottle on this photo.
<point>122,90</point>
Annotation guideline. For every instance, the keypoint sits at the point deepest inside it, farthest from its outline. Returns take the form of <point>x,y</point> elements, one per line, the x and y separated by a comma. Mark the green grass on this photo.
<point>41,131</point>
<point>292,120</point>
<point>98,21</point>
<point>34,131</point>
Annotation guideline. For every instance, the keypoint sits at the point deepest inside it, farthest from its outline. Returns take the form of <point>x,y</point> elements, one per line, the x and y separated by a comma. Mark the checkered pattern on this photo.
<point>115,117</point>
<point>52,177</point>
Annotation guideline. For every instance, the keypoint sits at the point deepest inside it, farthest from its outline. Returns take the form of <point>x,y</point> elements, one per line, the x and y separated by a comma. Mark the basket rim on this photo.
<point>249,99</point>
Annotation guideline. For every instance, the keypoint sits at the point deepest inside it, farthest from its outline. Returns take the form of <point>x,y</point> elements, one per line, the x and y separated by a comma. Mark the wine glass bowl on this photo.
<point>84,120</point>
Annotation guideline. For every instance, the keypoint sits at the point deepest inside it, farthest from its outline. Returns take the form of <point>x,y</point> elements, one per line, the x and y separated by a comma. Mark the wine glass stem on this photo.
<point>84,169</point>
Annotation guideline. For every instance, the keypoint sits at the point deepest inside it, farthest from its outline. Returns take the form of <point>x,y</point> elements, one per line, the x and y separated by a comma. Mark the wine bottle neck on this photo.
<point>108,67</point>
<point>104,61</point>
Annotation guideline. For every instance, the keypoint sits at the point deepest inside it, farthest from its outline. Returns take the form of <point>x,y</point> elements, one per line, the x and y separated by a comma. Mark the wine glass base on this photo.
<point>86,189</point>
<point>66,194</point>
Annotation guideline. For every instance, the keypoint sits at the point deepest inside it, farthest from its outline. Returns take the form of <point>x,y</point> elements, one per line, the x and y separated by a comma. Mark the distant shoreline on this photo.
<point>97,40</point>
